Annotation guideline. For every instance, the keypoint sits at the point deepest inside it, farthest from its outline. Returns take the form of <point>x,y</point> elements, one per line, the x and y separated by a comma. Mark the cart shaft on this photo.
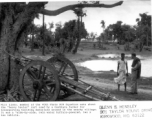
<point>85,90</point>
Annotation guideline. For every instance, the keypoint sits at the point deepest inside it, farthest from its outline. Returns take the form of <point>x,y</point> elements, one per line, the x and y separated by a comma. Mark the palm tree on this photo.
<point>103,24</point>
<point>80,13</point>
<point>102,35</point>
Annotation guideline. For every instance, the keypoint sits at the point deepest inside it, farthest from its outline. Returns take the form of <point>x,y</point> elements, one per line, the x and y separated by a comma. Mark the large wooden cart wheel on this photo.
<point>39,82</point>
<point>64,67</point>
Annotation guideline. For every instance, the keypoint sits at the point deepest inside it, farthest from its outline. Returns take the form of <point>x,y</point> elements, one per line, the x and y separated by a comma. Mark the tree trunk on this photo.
<point>78,39</point>
<point>9,69</point>
<point>12,28</point>
<point>147,39</point>
<point>140,46</point>
<point>4,58</point>
<point>32,41</point>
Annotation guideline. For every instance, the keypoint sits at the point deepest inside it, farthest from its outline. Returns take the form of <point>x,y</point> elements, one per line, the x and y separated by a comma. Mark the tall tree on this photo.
<point>79,13</point>
<point>69,32</point>
<point>116,30</point>
<point>13,22</point>
<point>102,36</point>
<point>144,29</point>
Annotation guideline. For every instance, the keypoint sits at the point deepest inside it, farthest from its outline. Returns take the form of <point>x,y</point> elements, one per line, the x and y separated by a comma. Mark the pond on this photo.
<point>107,65</point>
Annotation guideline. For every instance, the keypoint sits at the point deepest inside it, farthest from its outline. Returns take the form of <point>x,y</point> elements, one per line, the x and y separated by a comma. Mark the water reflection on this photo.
<point>107,65</point>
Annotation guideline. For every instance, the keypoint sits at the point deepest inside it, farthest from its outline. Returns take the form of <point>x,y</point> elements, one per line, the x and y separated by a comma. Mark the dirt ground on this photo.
<point>103,79</point>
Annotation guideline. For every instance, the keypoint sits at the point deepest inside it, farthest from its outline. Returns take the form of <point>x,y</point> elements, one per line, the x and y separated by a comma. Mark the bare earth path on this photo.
<point>107,84</point>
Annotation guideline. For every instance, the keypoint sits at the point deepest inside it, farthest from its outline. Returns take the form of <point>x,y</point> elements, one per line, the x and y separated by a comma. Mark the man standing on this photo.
<point>122,71</point>
<point>135,73</point>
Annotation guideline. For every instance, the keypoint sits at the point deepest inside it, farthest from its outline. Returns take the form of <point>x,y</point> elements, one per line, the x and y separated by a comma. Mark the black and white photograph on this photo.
<point>76,51</point>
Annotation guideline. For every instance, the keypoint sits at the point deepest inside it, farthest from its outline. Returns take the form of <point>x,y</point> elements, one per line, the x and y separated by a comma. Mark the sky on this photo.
<point>127,13</point>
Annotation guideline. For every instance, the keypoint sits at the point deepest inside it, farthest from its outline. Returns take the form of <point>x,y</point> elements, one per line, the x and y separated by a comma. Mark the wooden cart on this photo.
<point>47,80</point>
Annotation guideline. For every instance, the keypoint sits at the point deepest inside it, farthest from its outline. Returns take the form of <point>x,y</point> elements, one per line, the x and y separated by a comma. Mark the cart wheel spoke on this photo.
<point>64,67</point>
<point>60,69</point>
<point>52,89</point>
<point>51,84</point>
<point>31,75</point>
<point>35,94</point>
<point>39,94</point>
<point>39,74</point>
<point>43,73</point>
<point>47,92</point>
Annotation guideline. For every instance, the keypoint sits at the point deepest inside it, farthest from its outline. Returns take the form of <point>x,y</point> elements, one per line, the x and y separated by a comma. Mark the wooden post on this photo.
<point>81,27</point>
<point>43,47</point>
<point>78,28</point>
<point>32,37</point>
